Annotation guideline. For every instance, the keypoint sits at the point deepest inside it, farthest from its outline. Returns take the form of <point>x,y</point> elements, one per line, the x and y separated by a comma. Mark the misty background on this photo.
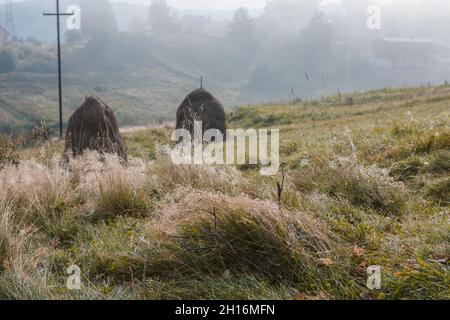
<point>144,56</point>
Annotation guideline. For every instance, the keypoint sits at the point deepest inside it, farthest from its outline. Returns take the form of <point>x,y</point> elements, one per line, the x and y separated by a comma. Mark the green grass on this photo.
<point>365,184</point>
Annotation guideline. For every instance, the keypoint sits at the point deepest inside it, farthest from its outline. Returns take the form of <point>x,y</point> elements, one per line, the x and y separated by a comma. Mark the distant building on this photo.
<point>404,52</point>
<point>4,36</point>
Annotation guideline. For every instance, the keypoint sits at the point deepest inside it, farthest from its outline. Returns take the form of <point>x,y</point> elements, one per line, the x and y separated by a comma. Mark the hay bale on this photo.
<point>200,105</point>
<point>93,126</point>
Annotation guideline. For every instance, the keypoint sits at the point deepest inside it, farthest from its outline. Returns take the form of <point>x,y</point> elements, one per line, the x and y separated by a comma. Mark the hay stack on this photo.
<point>93,126</point>
<point>200,105</point>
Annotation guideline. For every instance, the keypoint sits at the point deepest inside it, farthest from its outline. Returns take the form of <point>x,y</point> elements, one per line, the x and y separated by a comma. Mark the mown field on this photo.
<point>366,183</point>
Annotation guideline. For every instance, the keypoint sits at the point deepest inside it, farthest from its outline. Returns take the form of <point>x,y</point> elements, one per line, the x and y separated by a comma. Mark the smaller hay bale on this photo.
<point>93,126</point>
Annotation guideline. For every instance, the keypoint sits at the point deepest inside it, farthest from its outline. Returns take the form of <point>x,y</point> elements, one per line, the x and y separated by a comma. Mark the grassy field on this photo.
<point>366,183</point>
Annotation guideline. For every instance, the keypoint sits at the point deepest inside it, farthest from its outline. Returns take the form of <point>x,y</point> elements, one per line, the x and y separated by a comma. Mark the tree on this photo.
<point>7,62</point>
<point>287,17</point>
<point>99,27</point>
<point>138,25</point>
<point>97,19</point>
<point>241,24</point>
<point>242,30</point>
<point>162,18</point>
<point>315,40</point>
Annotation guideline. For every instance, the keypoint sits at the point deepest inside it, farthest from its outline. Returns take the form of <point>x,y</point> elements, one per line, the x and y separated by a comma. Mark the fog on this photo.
<point>190,4</point>
<point>254,51</point>
<point>207,4</point>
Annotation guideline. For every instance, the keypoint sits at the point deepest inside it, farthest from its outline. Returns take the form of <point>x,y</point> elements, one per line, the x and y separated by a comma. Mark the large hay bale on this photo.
<point>93,126</point>
<point>200,105</point>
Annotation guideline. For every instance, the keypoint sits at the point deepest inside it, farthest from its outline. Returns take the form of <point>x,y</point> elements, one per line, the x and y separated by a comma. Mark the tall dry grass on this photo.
<point>201,232</point>
<point>344,178</point>
<point>7,237</point>
<point>165,176</point>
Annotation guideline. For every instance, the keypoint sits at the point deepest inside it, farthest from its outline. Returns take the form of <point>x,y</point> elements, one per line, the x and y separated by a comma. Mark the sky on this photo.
<point>198,4</point>
<point>207,4</point>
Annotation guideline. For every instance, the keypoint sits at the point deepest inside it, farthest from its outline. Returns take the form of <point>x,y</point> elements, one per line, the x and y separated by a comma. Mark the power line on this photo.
<point>28,22</point>
<point>58,14</point>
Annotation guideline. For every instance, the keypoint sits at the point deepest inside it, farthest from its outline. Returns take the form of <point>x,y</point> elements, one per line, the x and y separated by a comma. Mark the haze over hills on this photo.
<point>143,65</point>
<point>30,22</point>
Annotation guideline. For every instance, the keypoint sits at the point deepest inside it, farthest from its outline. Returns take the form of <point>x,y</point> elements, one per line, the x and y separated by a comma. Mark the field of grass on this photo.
<point>366,183</point>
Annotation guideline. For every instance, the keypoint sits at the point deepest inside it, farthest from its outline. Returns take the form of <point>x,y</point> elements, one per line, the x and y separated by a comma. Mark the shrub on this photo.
<point>107,249</point>
<point>7,62</point>
<point>52,208</point>
<point>41,66</point>
<point>33,41</point>
<point>8,153</point>
<point>367,187</point>
<point>439,192</point>
<point>15,287</point>
<point>143,143</point>
<point>165,176</point>
<point>118,197</point>
<point>349,101</point>
<point>427,279</point>
<point>422,143</point>
<point>433,141</point>
<point>440,162</point>
<point>347,221</point>
<point>6,232</point>
<point>406,169</point>
<point>41,132</point>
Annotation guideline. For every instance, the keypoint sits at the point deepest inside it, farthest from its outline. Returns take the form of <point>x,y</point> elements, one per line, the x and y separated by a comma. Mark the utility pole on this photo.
<point>58,14</point>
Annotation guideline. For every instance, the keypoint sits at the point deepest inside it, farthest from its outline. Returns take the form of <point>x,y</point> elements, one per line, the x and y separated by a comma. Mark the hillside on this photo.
<point>366,183</point>
<point>145,93</point>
